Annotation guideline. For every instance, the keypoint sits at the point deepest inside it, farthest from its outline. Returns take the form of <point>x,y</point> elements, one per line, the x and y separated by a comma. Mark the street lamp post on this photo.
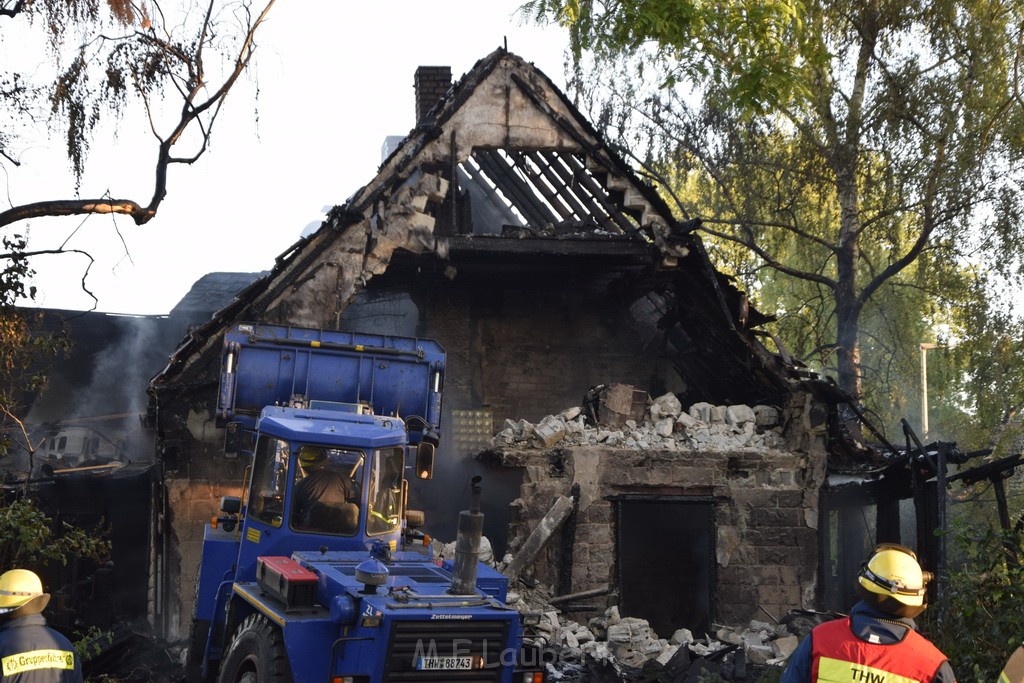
<point>924,387</point>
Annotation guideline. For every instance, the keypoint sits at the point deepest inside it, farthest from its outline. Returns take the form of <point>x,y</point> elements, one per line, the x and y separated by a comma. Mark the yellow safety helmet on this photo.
<point>22,589</point>
<point>311,456</point>
<point>892,581</point>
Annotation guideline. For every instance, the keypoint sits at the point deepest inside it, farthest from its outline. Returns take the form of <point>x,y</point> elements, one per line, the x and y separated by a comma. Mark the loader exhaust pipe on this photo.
<point>467,544</point>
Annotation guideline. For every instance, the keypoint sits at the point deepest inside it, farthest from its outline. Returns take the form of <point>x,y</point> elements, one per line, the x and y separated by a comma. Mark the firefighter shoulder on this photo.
<point>31,651</point>
<point>878,642</point>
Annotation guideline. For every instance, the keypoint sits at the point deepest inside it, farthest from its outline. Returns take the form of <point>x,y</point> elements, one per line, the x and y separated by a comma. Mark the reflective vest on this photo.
<point>839,656</point>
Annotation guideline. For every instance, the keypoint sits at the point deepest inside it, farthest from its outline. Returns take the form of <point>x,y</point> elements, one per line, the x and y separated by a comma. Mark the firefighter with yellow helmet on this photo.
<point>878,642</point>
<point>31,651</point>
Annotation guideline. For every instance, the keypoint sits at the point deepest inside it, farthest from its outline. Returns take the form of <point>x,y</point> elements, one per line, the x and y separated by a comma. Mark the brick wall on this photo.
<point>431,83</point>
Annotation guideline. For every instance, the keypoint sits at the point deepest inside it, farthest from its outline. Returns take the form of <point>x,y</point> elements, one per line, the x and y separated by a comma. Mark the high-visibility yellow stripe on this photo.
<point>262,606</point>
<point>837,671</point>
<point>1013,672</point>
<point>38,659</point>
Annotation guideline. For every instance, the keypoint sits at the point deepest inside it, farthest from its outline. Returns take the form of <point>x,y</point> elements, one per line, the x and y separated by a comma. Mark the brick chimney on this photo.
<point>432,82</point>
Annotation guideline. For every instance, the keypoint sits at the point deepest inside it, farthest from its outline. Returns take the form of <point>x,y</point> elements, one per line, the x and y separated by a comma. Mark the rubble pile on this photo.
<point>704,427</point>
<point>626,648</point>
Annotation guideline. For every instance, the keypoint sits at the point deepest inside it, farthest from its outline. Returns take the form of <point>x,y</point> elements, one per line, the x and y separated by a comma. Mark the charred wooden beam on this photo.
<point>601,195</point>
<point>479,178</point>
<point>518,192</point>
<point>558,165</point>
<point>539,537</point>
<point>544,165</point>
<point>554,201</point>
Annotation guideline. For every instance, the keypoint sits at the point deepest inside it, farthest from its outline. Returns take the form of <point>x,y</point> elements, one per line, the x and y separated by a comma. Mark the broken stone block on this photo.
<point>570,413</point>
<point>666,654</point>
<point>648,647</point>
<point>702,650</point>
<point>668,405</point>
<point>551,620</point>
<point>682,636</point>
<point>759,654</point>
<point>766,416</point>
<point>618,633</point>
<point>611,615</point>
<point>550,431</point>
<point>718,415</point>
<point>739,415</point>
<point>731,637</point>
<point>784,647</point>
<point>684,421</point>
<point>665,426</point>
<point>621,402</point>
<point>752,639</point>
<point>701,412</point>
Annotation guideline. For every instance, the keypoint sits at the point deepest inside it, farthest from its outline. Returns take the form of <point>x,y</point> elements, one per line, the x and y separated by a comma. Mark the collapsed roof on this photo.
<point>504,174</point>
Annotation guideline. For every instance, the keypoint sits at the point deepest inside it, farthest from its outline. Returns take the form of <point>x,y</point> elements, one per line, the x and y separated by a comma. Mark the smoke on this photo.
<point>93,407</point>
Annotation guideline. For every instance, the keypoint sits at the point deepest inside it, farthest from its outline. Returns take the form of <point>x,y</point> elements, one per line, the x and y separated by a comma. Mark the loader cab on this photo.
<point>334,484</point>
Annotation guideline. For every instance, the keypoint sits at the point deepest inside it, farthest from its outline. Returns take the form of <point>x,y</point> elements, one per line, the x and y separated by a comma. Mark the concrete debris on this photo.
<point>614,647</point>
<point>446,551</point>
<point>664,425</point>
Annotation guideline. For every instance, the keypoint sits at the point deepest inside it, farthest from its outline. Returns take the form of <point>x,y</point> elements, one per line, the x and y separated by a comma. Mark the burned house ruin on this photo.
<point>505,228</point>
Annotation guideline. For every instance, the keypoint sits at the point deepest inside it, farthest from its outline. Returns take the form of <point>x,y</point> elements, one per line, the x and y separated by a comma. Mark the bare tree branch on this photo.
<point>192,112</point>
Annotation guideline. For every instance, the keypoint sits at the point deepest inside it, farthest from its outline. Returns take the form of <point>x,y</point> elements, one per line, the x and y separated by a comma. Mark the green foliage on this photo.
<point>30,539</point>
<point>698,41</point>
<point>26,351</point>
<point>856,166</point>
<point>92,643</point>
<point>982,617</point>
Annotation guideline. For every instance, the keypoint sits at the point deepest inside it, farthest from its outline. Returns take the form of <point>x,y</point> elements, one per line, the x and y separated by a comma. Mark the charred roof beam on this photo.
<point>598,192</point>
<point>570,179</point>
<point>479,177</point>
<point>521,196</point>
<point>547,172</point>
<point>520,161</point>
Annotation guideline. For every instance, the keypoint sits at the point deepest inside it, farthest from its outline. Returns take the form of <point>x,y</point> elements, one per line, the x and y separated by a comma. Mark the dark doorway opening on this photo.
<point>665,550</point>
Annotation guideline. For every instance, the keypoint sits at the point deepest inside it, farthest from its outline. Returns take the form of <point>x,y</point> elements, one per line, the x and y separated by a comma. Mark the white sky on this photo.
<point>335,78</point>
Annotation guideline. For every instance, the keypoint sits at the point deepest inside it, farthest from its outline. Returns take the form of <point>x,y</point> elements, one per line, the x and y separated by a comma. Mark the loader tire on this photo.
<point>256,654</point>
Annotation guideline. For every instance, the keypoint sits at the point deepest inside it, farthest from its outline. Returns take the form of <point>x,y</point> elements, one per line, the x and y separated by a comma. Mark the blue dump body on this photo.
<point>265,365</point>
<point>288,595</point>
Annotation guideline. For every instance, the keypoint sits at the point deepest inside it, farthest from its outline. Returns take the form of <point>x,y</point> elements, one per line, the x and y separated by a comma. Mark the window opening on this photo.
<point>269,480</point>
<point>326,490</point>
<point>385,494</point>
